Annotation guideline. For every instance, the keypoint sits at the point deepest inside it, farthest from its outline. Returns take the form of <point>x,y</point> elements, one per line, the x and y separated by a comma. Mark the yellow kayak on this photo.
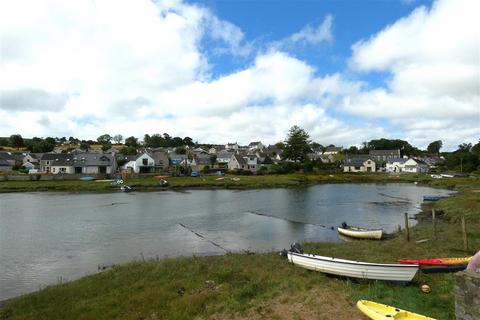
<point>378,311</point>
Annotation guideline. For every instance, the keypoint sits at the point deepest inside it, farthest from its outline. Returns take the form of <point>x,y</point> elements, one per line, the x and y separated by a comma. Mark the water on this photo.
<point>48,237</point>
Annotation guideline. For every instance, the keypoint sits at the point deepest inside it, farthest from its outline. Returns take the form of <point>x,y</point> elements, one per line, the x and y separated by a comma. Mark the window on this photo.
<point>145,161</point>
<point>53,169</point>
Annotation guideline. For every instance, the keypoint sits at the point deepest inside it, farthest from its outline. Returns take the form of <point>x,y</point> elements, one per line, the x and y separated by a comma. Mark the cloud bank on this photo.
<point>134,67</point>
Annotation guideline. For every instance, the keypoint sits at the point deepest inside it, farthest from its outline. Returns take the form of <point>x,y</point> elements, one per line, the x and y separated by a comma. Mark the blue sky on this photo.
<point>347,71</point>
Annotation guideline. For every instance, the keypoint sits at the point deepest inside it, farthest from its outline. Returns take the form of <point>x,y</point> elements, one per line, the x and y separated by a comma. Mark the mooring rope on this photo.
<point>203,237</point>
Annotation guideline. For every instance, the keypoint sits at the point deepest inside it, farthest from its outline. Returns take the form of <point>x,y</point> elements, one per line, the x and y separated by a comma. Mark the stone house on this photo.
<point>384,155</point>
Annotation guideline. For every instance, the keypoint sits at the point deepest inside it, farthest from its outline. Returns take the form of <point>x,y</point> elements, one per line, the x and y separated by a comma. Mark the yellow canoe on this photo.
<point>378,311</point>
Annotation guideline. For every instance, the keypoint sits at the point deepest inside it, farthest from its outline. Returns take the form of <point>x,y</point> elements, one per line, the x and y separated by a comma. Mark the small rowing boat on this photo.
<point>126,188</point>
<point>433,198</point>
<point>437,261</point>
<point>354,269</point>
<point>378,311</point>
<point>360,233</point>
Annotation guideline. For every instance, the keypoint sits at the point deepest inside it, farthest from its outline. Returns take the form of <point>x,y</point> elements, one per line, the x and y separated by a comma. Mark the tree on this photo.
<point>297,145</point>
<point>316,146</point>
<point>104,139</point>
<point>435,146</point>
<point>180,150</point>
<point>213,159</point>
<point>188,141</point>
<point>131,142</point>
<point>464,147</point>
<point>118,138</point>
<point>84,145</point>
<point>131,151</point>
<point>16,141</point>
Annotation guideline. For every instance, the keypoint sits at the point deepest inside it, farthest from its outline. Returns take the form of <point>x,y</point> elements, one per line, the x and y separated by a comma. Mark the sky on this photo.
<point>346,71</point>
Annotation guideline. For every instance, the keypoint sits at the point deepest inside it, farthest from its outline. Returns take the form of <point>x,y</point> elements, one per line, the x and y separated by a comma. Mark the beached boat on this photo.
<point>443,268</point>
<point>437,261</point>
<point>87,178</point>
<point>360,233</point>
<point>126,188</point>
<point>433,198</point>
<point>378,311</point>
<point>354,269</point>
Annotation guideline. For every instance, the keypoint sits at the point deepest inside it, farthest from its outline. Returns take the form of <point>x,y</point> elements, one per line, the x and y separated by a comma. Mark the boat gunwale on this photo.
<point>352,262</point>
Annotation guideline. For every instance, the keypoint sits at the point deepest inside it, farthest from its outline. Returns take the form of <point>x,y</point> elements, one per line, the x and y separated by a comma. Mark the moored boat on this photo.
<point>436,261</point>
<point>354,269</point>
<point>433,198</point>
<point>87,178</point>
<point>360,233</point>
<point>126,188</point>
<point>379,311</point>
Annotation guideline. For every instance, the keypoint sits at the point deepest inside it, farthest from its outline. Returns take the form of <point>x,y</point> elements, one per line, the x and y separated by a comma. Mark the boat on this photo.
<point>359,232</point>
<point>433,198</point>
<point>163,183</point>
<point>443,268</point>
<point>378,311</point>
<point>126,188</point>
<point>354,269</point>
<point>436,261</point>
<point>87,178</point>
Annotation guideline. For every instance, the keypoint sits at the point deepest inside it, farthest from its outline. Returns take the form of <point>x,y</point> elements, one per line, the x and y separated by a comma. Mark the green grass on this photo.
<point>229,182</point>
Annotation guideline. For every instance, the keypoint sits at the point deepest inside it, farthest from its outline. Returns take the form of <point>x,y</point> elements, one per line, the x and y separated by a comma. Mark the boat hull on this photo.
<point>361,233</point>
<point>378,311</point>
<point>443,268</point>
<point>437,261</point>
<point>354,269</point>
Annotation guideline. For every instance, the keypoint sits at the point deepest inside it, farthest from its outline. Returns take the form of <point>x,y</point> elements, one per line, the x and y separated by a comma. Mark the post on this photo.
<point>464,232</point>
<point>406,226</point>
<point>434,223</point>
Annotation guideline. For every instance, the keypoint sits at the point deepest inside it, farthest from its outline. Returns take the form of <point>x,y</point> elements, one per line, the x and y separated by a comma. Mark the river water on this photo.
<point>50,237</point>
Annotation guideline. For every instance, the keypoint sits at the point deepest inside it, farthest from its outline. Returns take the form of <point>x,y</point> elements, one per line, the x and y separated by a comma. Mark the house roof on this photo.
<point>6,156</point>
<point>357,161</point>
<point>399,160</point>
<point>391,152</point>
<point>240,159</point>
<point>333,149</point>
<point>4,163</point>
<point>80,160</point>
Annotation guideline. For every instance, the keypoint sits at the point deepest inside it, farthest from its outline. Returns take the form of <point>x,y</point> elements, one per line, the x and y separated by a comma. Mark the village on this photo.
<point>255,158</point>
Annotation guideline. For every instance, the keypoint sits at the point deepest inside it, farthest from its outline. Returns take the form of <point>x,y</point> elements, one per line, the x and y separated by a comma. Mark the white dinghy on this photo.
<point>360,233</point>
<point>354,269</point>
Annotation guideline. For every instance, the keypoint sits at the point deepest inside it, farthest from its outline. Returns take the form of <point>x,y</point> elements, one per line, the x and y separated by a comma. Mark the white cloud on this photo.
<point>309,35</point>
<point>433,58</point>
<point>134,67</point>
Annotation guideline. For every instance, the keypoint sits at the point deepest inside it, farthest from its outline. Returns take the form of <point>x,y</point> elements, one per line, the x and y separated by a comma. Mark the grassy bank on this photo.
<point>263,286</point>
<point>231,182</point>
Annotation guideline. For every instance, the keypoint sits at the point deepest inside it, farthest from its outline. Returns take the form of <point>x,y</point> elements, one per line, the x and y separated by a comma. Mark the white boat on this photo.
<point>354,269</point>
<point>361,233</point>
<point>126,188</point>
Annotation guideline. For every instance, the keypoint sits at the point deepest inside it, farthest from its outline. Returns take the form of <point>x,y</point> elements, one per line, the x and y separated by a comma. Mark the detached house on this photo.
<point>359,164</point>
<point>396,165</point>
<point>143,163</point>
<point>384,155</point>
<point>239,162</point>
<point>415,166</point>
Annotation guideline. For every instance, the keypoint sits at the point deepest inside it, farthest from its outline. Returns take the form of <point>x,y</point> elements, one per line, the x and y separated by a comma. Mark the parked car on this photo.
<point>195,174</point>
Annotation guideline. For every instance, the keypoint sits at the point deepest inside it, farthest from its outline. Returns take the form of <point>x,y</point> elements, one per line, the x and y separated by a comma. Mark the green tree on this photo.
<point>104,139</point>
<point>130,151</point>
<point>131,142</point>
<point>297,145</point>
<point>180,150</point>
<point>435,146</point>
<point>213,159</point>
<point>84,145</point>
<point>188,141</point>
<point>118,138</point>
<point>16,141</point>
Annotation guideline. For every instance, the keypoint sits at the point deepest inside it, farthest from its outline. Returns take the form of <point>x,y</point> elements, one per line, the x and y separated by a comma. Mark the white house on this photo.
<point>415,166</point>
<point>237,162</point>
<point>143,163</point>
<point>396,165</point>
<point>359,164</point>
<point>231,146</point>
